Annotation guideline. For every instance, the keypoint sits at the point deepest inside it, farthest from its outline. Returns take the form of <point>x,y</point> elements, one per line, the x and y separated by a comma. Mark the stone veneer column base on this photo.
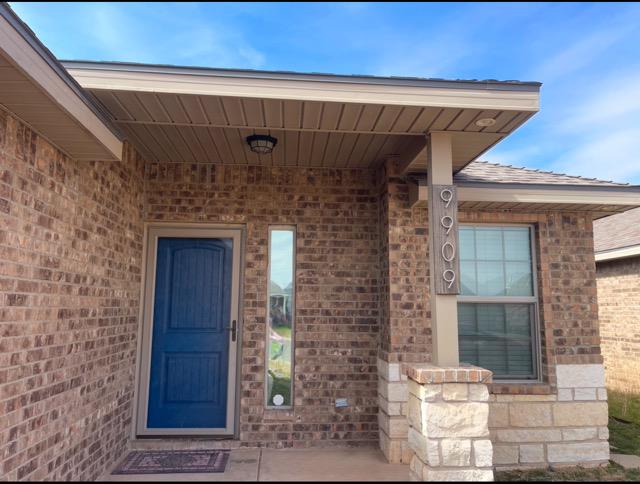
<point>392,415</point>
<point>448,416</point>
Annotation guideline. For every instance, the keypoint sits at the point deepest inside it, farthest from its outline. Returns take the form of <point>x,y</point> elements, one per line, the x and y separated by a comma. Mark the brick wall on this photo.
<point>406,329</point>
<point>566,289</point>
<point>568,333</point>
<point>70,265</point>
<point>70,260</point>
<point>619,303</point>
<point>336,334</point>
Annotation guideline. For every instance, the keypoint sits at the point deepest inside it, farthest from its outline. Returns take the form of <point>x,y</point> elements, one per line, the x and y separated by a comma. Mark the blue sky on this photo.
<point>586,55</point>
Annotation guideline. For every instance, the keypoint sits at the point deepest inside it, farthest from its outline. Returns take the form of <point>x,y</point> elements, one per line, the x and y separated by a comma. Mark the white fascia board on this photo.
<point>15,47</point>
<point>621,253</point>
<point>552,194</point>
<point>543,194</point>
<point>199,83</point>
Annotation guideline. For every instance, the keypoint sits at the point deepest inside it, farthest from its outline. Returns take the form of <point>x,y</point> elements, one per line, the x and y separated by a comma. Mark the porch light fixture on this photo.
<point>485,122</point>
<point>261,143</point>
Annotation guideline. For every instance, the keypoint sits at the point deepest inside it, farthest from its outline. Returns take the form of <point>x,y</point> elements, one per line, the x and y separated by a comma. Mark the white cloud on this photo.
<point>613,102</point>
<point>153,33</point>
<point>519,156</point>
<point>580,54</point>
<point>608,155</point>
<point>207,46</point>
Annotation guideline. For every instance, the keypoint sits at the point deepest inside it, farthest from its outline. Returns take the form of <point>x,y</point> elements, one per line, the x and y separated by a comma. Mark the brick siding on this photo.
<point>336,334</point>
<point>619,303</point>
<point>70,274</point>
<point>70,264</point>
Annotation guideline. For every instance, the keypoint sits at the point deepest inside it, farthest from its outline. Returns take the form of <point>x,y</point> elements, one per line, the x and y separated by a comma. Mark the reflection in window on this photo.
<point>281,296</point>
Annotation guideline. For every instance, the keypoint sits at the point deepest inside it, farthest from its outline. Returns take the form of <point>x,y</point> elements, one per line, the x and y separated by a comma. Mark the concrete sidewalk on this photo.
<point>292,465</point>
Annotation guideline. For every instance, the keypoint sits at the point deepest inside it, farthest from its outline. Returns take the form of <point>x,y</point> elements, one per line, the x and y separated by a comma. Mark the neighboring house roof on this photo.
<point>618,235</point>
<point>485,172</point>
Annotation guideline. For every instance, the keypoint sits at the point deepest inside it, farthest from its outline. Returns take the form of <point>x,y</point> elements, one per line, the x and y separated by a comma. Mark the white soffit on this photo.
<point>184,114</point>
<point>37,89</point>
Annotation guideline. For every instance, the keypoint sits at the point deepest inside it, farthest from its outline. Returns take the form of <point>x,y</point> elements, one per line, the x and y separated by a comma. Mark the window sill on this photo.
<point>533,388</point>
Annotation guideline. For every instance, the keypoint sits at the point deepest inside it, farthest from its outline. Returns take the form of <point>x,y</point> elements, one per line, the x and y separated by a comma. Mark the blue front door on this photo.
<point>190,345</point>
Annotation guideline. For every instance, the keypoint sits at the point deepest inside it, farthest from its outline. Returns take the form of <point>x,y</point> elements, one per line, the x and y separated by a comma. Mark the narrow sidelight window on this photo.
<point>498,304</point>
<point>281,314</point>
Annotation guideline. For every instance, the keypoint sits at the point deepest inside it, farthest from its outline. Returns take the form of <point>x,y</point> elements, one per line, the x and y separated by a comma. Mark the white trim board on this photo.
<point>202,82</point>
<point>621,253</point>
<point>558,194</point>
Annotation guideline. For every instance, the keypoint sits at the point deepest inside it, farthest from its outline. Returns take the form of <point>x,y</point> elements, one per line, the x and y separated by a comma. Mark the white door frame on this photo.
<point>154,232</point>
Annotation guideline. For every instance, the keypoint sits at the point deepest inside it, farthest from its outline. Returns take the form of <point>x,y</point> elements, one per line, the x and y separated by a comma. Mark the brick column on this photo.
<point>448,414</point>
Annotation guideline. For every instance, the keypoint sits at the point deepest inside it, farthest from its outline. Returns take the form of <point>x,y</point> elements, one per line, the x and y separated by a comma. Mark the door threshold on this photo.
<point>184,443</point>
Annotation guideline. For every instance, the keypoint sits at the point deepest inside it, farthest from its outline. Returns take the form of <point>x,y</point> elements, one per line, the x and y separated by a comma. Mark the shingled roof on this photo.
<point>617,231</point>
<point>485,172</point>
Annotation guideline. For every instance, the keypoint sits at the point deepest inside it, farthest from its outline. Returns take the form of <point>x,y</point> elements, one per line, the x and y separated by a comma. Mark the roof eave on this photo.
<point>30,37</point>
<point>24,53</point>
<point>307,87</point>
<point>618,253</point>
<point>530,86</point>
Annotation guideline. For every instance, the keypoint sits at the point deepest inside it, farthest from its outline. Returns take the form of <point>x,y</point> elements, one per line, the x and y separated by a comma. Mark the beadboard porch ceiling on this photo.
<point>199,115</point>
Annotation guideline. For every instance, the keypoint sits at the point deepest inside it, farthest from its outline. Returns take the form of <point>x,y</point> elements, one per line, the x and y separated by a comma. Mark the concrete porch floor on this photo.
<point>292,465</point>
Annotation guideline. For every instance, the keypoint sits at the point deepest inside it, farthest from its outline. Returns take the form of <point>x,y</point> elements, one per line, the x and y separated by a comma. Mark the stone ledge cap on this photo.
<point>426,373</point>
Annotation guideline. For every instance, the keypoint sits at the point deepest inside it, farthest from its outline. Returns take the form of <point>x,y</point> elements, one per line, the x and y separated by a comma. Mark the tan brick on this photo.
<point>505,454</point>
<point>531,453</point>
<point>529,435</point>
<point>533,415</point>
<point>578,453</point>
<point>580,414</point>
<point>498,415</point>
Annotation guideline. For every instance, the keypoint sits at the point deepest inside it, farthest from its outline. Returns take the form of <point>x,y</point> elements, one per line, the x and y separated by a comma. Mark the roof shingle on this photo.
<point>617,231</point>
<point>485,172</point>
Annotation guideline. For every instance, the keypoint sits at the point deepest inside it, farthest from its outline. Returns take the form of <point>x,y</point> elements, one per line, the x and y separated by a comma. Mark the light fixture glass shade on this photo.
<point>261,143</point>
<point>485,122</point>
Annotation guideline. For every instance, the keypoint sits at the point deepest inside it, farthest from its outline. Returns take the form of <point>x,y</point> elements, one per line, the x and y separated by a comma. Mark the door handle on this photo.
<point>232,328</point>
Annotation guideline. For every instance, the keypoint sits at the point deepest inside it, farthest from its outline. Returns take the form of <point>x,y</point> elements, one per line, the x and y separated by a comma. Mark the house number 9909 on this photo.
<point>448,250</point>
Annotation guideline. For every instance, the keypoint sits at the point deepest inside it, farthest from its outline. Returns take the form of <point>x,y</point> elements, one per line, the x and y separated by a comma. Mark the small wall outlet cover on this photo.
<point>341,402</point>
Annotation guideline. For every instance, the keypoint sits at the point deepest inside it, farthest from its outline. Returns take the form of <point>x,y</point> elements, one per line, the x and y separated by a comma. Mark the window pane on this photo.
<point>498,337</point>
<point>489,243</point>
<point>490,279</point>
<point>517,243</point>
<point>518,275</point>
<point>496,261</point>
<point>281,307</point>
<point>468,278</point>
<point>467,243</point>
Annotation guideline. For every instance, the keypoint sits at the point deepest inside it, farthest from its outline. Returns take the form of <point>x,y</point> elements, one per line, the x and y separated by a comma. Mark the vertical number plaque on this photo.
<point>444,226</point>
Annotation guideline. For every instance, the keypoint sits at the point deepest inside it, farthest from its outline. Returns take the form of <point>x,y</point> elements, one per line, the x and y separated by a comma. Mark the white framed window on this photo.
<point>498,325</point>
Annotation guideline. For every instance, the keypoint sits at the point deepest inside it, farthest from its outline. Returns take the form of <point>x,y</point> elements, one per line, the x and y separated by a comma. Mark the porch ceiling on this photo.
<point>182,115</point>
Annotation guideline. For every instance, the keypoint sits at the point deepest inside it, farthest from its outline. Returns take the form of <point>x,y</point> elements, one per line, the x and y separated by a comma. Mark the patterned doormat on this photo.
<point>173,462</point>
